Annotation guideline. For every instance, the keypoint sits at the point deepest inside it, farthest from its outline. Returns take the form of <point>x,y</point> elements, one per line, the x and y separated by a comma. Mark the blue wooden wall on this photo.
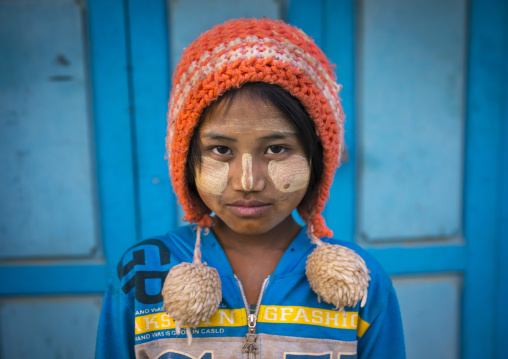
<point>83,96</point>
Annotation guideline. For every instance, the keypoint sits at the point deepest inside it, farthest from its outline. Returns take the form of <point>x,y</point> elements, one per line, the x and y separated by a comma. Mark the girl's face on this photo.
<point>253,168</point>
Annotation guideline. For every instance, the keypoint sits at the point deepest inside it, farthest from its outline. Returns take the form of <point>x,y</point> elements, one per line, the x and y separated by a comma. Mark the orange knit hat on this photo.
<point>251,50</point>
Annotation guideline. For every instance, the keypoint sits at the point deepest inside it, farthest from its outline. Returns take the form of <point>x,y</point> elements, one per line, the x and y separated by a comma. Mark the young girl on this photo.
<point>255,130</point>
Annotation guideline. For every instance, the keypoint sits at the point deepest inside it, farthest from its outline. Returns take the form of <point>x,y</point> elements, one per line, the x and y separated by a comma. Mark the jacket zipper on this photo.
<point>251,346</point>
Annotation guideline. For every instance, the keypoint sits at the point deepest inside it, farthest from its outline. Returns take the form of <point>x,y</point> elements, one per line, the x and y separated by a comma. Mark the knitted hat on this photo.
<point>226,57</point>
<point>241,51</point>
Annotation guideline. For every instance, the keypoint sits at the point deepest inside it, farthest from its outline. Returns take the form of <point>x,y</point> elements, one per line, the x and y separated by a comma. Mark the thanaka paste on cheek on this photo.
<point>289,175</point>
<point>213,176</point>
<point>247,172</point>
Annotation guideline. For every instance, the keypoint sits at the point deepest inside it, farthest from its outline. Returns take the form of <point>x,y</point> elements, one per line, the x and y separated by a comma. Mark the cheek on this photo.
<point>289,175</point>
<point>213,176</point>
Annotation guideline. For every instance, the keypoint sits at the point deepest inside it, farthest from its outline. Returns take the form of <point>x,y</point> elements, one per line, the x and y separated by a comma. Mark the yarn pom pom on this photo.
<point>338,275</point>
<point>191,293</point>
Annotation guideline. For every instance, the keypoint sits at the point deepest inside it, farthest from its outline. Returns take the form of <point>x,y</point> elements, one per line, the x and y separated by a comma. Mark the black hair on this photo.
<point>290,107</point>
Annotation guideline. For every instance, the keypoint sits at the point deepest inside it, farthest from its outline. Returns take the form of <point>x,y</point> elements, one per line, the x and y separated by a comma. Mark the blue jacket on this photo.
<point>291,323</point>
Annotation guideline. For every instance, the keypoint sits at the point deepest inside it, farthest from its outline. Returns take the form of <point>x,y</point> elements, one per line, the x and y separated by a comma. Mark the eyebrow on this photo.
<point>279,136</point>
<point>218,137</point>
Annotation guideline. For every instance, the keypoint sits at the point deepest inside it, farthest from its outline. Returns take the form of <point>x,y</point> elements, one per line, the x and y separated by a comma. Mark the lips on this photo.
<point>248,208</point>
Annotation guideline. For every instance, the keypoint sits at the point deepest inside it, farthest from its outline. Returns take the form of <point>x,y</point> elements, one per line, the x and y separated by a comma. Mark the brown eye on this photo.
<point>275,149</point>
<point>222,150</point>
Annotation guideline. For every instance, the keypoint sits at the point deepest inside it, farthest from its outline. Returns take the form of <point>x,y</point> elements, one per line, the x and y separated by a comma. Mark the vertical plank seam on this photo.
<point>500,347</point>
<point>132,119</point>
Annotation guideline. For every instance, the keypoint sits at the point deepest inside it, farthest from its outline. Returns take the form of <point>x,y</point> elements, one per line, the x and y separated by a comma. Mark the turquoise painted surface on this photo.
<point>47,185</point>
<point>502,283</point>
<point>52,327</point>
<point>502,280</point>
<point>149,89</point>
<point>430,308</point>
<point>186,24</point>
<point>486,97</point>
<point>55,277</point>
<point>411,82</point>
<point>112,128</point>
<point>422,259</point>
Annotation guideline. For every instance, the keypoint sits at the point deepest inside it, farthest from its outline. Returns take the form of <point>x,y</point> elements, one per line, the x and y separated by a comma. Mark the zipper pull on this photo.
<point>251,346</point>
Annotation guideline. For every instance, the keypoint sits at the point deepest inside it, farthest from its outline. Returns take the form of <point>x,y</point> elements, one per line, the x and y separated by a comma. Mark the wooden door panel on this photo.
<point>430,308</point>
<point>47,185</point>
<point>50,327</point>
<point>411,76</point>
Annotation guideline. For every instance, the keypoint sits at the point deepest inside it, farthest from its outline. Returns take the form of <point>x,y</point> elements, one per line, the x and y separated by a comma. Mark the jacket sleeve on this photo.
<point>115,336</point>
<point>384,337</point>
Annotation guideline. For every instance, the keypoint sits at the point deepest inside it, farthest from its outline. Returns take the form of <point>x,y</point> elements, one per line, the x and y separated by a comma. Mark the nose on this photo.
<point>247,174</point>
<point>247,179</point>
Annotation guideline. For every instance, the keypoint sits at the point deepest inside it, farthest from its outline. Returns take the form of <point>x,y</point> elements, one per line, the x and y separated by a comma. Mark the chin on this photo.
<point>250,226</point>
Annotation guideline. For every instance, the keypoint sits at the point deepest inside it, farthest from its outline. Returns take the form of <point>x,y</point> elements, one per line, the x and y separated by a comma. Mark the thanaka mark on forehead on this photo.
<point>277,135</point>
<point>246,124</point>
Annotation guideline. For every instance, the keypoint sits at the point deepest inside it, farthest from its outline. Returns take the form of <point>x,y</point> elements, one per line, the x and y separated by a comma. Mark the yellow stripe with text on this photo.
<point>160,320</point>
<point>267,314</point>
<point>306,315</point>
